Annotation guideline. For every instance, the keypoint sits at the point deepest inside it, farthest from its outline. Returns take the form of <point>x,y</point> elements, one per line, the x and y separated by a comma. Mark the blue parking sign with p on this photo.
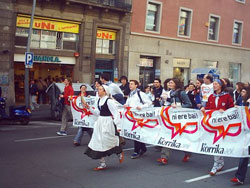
<point>29,57</point>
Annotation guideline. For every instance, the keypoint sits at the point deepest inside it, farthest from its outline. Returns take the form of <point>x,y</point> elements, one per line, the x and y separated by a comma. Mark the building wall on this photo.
<point>198,53</point>
<point>7,26</point>
<point>89,17</point>
<point>166,45</point>
<point>227,10</point>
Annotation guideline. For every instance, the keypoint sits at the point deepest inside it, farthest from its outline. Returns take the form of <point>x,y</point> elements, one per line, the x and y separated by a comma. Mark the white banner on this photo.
<point>211,133</point>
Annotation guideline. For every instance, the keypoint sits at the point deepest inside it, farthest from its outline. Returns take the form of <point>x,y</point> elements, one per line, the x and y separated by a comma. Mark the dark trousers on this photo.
<point>139,147</point>
<point>242,169</point>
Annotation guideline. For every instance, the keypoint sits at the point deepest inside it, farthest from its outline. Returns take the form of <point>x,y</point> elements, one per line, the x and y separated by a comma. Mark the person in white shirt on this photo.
<point>206,89</point>
<point>138,100</point>
<point>115,91</point>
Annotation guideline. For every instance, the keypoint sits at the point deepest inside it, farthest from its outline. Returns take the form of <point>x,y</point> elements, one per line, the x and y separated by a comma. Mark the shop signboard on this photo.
<point>106,34</point>
<point>183,63</point>
<point>144,62</point>
<point>47,59</point>
<point>48,24</point>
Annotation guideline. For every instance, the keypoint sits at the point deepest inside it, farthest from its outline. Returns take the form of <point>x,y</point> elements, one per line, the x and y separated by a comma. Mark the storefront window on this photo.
<point>43,39</point>
<point>105,42</point>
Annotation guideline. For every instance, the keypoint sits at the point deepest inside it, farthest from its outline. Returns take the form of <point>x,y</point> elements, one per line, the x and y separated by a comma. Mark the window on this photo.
<point>214,27</point>
<point>185,22</point>
<point>104,46</point>
<point>237,32</point>
<point>234,72</point>
<point>241,1</point>
<point>43,39</point>
<point>153,17</point>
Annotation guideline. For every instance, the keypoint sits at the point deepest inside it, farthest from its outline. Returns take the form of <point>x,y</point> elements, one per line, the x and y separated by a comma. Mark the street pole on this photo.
<point>26,79</point>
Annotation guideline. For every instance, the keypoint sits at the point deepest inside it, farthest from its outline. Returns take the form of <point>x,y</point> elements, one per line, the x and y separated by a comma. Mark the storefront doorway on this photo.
<point>104,66</point>
<point>181,69</point>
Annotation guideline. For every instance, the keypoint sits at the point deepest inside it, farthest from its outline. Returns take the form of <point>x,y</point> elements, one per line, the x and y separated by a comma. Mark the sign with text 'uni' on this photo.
<point>106,35</point>
<point>46,24</point>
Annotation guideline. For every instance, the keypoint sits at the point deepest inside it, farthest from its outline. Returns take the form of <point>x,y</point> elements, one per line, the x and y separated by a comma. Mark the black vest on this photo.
<point>104,110</point>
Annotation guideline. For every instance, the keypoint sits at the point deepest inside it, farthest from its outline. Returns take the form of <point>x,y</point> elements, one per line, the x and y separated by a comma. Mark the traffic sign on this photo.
<point>29,57</point>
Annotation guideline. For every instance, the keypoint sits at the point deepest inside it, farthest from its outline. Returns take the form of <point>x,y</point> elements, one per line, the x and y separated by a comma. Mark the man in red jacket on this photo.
<point>66,114</point>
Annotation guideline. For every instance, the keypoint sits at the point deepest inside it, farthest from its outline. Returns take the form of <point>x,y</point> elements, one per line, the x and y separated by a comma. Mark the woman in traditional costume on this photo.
<point>105,138</point>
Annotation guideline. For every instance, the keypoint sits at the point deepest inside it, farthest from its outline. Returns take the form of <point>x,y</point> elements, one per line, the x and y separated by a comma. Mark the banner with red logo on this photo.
<point>211,132</point>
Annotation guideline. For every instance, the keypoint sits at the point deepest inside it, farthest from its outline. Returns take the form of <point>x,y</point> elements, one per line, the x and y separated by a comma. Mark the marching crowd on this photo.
<point>203,94</point>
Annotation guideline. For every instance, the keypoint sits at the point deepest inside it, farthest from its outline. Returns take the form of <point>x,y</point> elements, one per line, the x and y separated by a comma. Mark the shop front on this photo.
<point>106,54</point>
<point>181,69</point>
<point>47,68</point>
<point>54,43</point>
<point>147,70</point>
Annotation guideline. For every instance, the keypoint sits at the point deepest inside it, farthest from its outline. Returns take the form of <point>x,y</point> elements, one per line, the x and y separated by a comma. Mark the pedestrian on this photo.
<point>138,100</point>
<point>236,93</point>
<point>206,89</point>
<point>81,130</point>
<point>221,101</point>
<point>66,114</point>
<point>240,174</point>
<point>33,95</point>
<point>228,85</point>
<point>105,139</point>
<point>157,92</point>
<point>191,92</point>
<point>165,96</point>
<point>148,91</point>
<point>198,84</point>
<point>42,86</point>
<point>178,99</point>
<point>115,91</point>
<point>125,87</point>
<point>96,86</point>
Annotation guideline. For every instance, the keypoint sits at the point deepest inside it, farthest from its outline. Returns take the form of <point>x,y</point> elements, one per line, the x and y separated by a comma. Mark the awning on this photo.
<point>206,70</point>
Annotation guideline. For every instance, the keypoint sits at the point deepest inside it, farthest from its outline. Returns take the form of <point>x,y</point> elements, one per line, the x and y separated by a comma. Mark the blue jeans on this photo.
<point>242,169</point>
<point>79,134</point>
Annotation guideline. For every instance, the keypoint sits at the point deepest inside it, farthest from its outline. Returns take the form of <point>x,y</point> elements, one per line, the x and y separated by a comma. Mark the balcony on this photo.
<point>119,5</point>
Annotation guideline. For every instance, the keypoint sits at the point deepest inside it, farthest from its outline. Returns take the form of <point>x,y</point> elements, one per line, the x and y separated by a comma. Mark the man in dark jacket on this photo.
<point>125,87</point>
<point>33,95</point>
<point>157,92</point>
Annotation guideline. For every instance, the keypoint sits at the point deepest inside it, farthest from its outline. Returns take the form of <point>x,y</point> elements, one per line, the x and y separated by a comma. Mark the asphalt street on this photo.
<point>34,156</point>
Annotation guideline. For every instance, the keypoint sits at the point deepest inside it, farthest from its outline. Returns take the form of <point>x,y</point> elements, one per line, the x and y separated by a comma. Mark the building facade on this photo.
<point>173,38</point>
<point>77,39</point>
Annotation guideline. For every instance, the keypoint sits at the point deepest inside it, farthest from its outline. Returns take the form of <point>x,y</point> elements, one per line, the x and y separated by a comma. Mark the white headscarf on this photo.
<point>107,90</point>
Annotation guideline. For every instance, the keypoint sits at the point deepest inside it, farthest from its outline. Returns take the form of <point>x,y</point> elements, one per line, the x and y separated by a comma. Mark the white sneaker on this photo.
<point>61,133</point>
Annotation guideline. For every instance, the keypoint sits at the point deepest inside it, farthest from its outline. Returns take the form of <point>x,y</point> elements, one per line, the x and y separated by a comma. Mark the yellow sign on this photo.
<point>106,35</point>
<point>50,25</point>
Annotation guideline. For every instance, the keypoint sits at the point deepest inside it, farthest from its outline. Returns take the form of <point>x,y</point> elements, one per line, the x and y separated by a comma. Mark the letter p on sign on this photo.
<point>29,57</point>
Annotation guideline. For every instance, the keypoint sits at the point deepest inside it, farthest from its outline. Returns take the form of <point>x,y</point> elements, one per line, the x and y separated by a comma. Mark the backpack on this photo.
<point>139,95</point>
